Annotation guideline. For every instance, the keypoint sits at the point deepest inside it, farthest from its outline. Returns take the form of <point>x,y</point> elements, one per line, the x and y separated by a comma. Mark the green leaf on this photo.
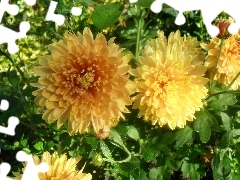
<point>145,3</point>
<point>205,122</point>
<point>223,100</point>
<point>38,146</point>
<point>169,10</point>
<point>215,161</point>
<point>87,2</point>
<point>14,78</point>
<point>167,138</point>
<point>163,148</point>
<point>105,15</point>
<point>183,136</point>
<point>66,141</point>
<point>202,126</point>
<point>143,175</point>
<point>49,145</point>
<point>149,153</point>
<point>221,166</point>
<point>154,173</point>
<point>92,141</point>
<point>133,133</point>
<point>173,163</point>
<point>116,139</point>
<point>24,142</point>
<point>226,121</point>
<point>127,166</point>
<point>105,150</point>
<point>236,132</point>
<point>190,170</point>
<point>226,138</point>
<point>15,145</point>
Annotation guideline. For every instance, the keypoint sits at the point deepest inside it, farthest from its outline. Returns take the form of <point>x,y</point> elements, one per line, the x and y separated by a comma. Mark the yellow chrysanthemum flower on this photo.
<point>169,80</point>
<point>229,61</point>
<point>60,168</point>
<point>84,81</point>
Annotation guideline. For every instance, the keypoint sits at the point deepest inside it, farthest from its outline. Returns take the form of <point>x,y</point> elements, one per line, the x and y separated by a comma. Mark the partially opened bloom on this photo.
<point>223,25</point>
<point>228,65</point>
<point>60,168</point>
<point>84,81</point>
<point>169,80</point>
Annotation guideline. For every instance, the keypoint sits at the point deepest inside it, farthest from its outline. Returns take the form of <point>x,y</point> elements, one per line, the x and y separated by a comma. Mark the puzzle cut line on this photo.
<point>31,171</point>
<point>210,10</point>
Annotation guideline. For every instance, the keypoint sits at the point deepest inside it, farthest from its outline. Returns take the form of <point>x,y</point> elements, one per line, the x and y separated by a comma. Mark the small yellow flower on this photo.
<point>228,65</point>
<point>84,81</point>
<point>60,168</point>
<point>169,80</point>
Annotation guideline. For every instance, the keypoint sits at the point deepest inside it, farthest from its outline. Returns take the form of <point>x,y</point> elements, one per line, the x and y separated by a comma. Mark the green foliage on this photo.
<point>204,124</point>
<point>112,11</point>
<point>207,148</point>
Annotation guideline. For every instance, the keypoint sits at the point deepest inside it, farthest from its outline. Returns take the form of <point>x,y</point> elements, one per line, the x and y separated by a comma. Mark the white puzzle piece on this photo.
<point>31,171</point>
<point>76,11</point>
<point>4,105</point>
<point>4,170</point>
<point>30,2</point>
<point>210,10</point>
<point>12,121</point>
<point>51,16</point>
<point>9,36</point>
<point>9,8</point>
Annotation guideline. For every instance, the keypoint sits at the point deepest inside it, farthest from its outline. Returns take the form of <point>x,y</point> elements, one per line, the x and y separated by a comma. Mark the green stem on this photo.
<point>215,68</point>
<point>15,65</point>
<point>223,92</point>
<point>229,86</point>
<point>138,33</point>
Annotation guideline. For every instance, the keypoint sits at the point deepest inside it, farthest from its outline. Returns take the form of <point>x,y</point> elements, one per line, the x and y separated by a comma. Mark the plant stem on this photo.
<point>229,86</point>
<point>138,32</point>
<point>223,92</point>
<point>215,68</point>
<point>15,65</point>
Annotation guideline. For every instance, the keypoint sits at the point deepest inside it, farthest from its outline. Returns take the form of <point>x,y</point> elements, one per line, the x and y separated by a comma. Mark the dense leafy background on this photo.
<point>207,148</point>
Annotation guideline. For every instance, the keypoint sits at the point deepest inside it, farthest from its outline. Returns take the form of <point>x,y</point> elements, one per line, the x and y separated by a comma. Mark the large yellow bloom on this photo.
<point>229,61</point>
<point>60,168</point>
<point>169,80</point>
<point>84,81</point>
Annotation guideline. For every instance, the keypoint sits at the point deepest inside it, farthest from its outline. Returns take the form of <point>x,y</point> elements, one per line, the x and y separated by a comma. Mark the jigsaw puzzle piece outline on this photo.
<point>76,11</point>
<point>4,105</point>
<point>208,14</point>
<point>31,171</point>
<point>10,129</point>
<point>30,2</point>
<point>12,9</point>
<point>4,170</point>
<point>9,36</point>
<point>51,16</point>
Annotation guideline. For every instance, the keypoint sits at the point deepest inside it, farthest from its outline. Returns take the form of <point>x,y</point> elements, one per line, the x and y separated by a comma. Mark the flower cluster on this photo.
<point>223,59</point>
<point>85,81</point>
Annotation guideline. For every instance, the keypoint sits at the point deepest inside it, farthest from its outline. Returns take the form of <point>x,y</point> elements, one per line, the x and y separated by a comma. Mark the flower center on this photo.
<point>85,79</point>
<point>163,81</point>
<point>166,87</point>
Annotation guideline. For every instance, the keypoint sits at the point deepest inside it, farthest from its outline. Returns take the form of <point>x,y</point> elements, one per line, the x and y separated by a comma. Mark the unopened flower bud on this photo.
<point>97,160</point>
<point>103,133</point>
<point>223,25</point>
